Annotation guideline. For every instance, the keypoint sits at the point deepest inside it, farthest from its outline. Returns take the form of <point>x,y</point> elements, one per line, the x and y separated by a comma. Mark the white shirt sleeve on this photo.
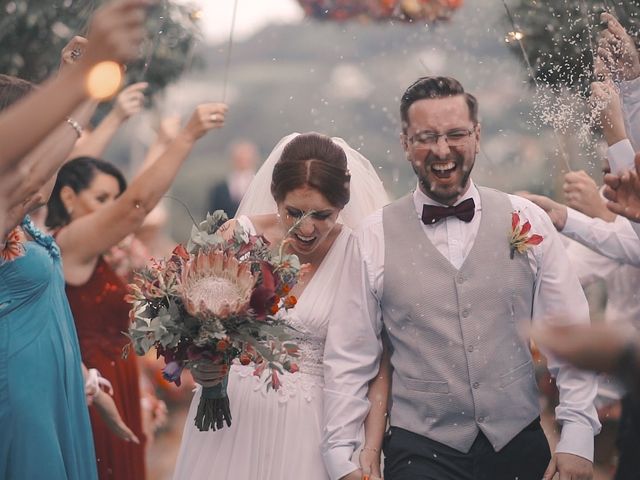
<point>617,240</point>
<point>630,97</point>
<point>559,299</point>
<point>621,157</point>
<point>590,266</point>
<point>351,359</point>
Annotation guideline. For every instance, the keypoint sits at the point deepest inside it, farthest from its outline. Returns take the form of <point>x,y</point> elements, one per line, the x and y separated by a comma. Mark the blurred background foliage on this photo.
<point>34,32</point>
<point>560,36</point>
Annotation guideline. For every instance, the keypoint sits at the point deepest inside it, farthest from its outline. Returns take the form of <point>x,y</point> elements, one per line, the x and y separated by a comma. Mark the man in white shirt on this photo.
<point>452,272</point>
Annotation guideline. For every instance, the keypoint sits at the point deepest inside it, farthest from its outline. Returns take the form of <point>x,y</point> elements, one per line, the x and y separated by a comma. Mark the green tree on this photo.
<point>33,32</point>
<point>559,35</point>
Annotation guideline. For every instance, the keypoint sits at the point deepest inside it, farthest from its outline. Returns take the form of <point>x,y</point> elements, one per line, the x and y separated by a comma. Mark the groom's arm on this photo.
<point>559,299</point>
<point>351,360</point>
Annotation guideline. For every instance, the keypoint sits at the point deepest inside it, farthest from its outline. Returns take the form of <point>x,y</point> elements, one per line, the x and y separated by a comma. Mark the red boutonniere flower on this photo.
<point>520,238</point>
<point>13,247</point>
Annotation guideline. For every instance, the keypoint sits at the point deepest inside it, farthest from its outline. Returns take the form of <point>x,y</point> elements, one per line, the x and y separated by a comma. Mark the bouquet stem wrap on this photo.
<point>213,409</point>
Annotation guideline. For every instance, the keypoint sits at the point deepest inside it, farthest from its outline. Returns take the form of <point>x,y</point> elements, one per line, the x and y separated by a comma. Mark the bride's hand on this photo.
<point>208,374</point>
<point>370,463</point>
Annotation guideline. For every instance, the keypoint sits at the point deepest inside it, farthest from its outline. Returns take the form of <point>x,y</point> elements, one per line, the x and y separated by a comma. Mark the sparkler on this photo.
<point>228,60</point>
<point>517,35</point>
<point>156,40</point>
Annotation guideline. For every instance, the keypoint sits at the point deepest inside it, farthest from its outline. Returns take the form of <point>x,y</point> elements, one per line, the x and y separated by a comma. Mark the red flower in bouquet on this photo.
<point>264,296</point>
<point>519,239</point>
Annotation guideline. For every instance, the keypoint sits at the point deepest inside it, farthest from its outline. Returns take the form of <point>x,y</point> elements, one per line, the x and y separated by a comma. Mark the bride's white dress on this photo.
<point>273,435</point>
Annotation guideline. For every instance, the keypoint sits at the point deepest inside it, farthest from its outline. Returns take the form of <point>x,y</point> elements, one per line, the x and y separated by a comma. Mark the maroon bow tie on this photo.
<point>464,211</point>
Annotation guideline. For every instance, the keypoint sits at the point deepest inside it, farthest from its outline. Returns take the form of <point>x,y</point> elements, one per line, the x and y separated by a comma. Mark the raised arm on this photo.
<point>619,55</point>
<point>44,160</point>
<point>84,239</point>
<point>115,35</point>
<point>129,102</point>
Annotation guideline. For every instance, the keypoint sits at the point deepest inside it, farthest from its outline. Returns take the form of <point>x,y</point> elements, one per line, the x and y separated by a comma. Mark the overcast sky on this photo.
<point>252,15</point>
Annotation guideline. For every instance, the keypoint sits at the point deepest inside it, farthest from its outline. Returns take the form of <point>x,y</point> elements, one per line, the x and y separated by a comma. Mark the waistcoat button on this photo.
<point>470,348</point>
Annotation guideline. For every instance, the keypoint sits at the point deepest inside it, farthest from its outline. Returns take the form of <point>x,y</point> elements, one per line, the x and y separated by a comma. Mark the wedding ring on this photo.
<point>215,117</point>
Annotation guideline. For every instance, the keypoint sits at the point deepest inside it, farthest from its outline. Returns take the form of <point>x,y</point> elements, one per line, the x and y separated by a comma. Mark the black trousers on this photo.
<point>629,439</point>
<point>409,456</point>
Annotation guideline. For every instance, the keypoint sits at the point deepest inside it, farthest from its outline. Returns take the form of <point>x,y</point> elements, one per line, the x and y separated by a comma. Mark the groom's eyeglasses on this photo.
<point>454,138</point>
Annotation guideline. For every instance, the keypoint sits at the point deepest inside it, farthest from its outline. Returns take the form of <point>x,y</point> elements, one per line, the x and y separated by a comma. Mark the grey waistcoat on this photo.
<point>459,362</point>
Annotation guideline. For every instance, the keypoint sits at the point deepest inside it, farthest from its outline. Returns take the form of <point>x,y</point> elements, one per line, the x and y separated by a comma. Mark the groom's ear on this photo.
<point>477,135</point>
<point>404,141</point>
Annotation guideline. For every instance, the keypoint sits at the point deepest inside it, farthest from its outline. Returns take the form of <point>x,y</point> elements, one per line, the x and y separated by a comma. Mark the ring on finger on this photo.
<point>215,117</point>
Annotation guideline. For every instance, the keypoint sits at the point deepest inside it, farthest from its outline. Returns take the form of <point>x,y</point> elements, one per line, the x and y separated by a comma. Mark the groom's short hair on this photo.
<point>435,87</point>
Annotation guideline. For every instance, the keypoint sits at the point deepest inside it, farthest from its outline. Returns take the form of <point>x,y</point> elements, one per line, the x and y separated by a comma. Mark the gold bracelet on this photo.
<point>370,448</point>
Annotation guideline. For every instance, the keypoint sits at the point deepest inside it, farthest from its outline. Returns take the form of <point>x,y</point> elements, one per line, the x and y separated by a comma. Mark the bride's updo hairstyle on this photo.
<point>312,160</point>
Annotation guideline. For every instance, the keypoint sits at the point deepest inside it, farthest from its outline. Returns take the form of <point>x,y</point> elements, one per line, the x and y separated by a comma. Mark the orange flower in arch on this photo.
<point>13,247</point>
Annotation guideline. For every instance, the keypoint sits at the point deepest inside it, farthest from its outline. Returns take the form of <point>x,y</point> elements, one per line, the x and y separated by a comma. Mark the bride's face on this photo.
<point>315,228</point>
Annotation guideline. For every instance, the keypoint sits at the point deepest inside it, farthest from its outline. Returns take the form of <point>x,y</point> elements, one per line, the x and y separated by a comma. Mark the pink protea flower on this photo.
<point>216,285</point>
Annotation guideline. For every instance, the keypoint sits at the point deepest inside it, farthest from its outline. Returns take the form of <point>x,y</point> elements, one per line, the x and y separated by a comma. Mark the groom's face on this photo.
<point>442,163</point>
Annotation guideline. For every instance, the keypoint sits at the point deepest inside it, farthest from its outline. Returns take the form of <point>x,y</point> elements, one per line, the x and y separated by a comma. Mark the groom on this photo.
<point>438,271</point>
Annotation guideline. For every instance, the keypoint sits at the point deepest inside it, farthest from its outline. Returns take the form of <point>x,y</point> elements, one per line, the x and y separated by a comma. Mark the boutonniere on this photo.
<point>520,239</point>
<point>13,246</point>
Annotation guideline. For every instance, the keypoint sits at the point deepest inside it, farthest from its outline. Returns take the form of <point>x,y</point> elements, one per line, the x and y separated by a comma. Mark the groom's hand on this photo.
<point>569,467</point>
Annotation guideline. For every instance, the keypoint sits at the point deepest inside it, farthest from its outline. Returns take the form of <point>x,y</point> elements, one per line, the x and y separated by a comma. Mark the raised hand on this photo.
<point>605,99</point>
<point>116,32</point>
<point>130,101</point>
<point>206,116</point>
<point>617,50</point>
<point>581,193</point>
<point>557,212</point>
<point>623,192</point>
<point>72,51</point>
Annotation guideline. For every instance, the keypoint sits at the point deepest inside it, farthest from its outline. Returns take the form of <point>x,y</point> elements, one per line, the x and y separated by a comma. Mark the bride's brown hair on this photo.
<point>312,160</point>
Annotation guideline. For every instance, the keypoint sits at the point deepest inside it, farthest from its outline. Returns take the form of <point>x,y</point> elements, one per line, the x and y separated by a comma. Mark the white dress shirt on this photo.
<point>630,99</point>
<point>353,343</point>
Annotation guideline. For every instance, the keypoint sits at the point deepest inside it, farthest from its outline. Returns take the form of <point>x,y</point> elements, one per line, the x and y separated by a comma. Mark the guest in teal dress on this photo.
<point>46,432</point>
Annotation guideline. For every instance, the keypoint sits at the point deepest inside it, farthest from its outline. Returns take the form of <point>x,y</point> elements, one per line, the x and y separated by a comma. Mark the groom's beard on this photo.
<point>445,191</point>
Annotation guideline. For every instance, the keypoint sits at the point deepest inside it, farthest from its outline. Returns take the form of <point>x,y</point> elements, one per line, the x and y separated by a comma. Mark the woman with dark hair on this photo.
<point>328,187</point>
<point>91,210</point>
<point>43,394</point>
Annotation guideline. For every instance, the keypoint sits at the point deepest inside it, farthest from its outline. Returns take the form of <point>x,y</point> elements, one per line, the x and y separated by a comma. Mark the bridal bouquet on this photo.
<point>216,300</point>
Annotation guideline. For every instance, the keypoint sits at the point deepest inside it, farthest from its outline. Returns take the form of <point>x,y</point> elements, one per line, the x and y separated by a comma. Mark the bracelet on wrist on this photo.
<point>75,125</point>
<point>370,448</point>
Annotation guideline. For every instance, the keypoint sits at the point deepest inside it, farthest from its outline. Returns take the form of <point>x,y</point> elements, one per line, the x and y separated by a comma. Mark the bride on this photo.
<point>275,435</point>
